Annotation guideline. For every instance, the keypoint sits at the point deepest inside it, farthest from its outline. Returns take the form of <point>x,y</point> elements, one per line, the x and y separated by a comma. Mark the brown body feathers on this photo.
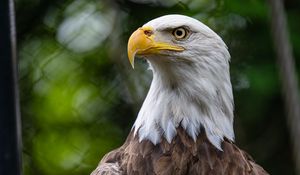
<point>182,157</point>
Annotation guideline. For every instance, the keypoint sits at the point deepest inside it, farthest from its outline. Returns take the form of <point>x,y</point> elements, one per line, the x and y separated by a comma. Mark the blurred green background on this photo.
<point>80,97</point>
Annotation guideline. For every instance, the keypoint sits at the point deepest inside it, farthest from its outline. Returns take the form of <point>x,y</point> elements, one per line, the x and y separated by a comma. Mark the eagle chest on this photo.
<point>182,157</point>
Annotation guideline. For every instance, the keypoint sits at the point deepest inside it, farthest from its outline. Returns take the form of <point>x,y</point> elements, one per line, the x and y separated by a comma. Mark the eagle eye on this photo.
<point>180,33</point>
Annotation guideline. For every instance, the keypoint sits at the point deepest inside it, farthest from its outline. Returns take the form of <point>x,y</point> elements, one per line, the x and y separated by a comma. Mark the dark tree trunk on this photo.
<point>287,72</point>
<point>10,132</point>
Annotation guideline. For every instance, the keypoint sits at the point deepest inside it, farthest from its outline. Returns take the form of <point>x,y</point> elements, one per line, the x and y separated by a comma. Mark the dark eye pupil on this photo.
<point>179,32</point>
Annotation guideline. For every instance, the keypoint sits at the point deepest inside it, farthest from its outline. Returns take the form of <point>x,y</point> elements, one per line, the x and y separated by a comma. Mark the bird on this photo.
<point>185,124</point>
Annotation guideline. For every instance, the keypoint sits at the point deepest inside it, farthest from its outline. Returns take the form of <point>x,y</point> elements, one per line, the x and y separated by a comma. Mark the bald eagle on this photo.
<point>185,125</point>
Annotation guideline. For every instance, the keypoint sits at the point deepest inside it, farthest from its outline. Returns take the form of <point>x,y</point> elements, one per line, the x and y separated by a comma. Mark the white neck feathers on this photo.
<point>190,89</point>
<point>190,96</point>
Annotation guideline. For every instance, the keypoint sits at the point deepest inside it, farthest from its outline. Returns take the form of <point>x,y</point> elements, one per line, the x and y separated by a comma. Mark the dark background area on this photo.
<point>80,97</point>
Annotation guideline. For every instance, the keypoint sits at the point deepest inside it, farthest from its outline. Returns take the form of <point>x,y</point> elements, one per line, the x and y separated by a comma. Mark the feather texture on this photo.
<point>191,87</point>
<point>180,157</point>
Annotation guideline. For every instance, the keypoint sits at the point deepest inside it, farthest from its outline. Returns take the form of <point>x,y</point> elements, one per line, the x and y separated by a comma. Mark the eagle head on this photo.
<point>191,85</point>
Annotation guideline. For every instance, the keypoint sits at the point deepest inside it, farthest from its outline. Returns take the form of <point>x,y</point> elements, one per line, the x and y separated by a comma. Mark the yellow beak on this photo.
<point>141,42</point>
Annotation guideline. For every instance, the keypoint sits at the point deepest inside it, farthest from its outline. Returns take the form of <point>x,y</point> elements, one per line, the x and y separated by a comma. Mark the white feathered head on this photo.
<point>191,84</point>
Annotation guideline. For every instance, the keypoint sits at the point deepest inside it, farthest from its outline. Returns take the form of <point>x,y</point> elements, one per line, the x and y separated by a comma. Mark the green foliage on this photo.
<point>79,96</point>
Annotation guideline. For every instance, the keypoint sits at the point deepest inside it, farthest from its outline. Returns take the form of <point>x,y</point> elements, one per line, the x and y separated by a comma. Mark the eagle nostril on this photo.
<point>148,32</point>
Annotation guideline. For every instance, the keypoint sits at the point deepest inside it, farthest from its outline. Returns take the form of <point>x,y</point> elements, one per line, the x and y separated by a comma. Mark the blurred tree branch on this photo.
<point>287,72</point>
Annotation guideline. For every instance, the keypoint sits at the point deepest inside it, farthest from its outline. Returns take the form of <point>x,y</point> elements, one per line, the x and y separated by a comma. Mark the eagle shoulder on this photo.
<point>109,165</point>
